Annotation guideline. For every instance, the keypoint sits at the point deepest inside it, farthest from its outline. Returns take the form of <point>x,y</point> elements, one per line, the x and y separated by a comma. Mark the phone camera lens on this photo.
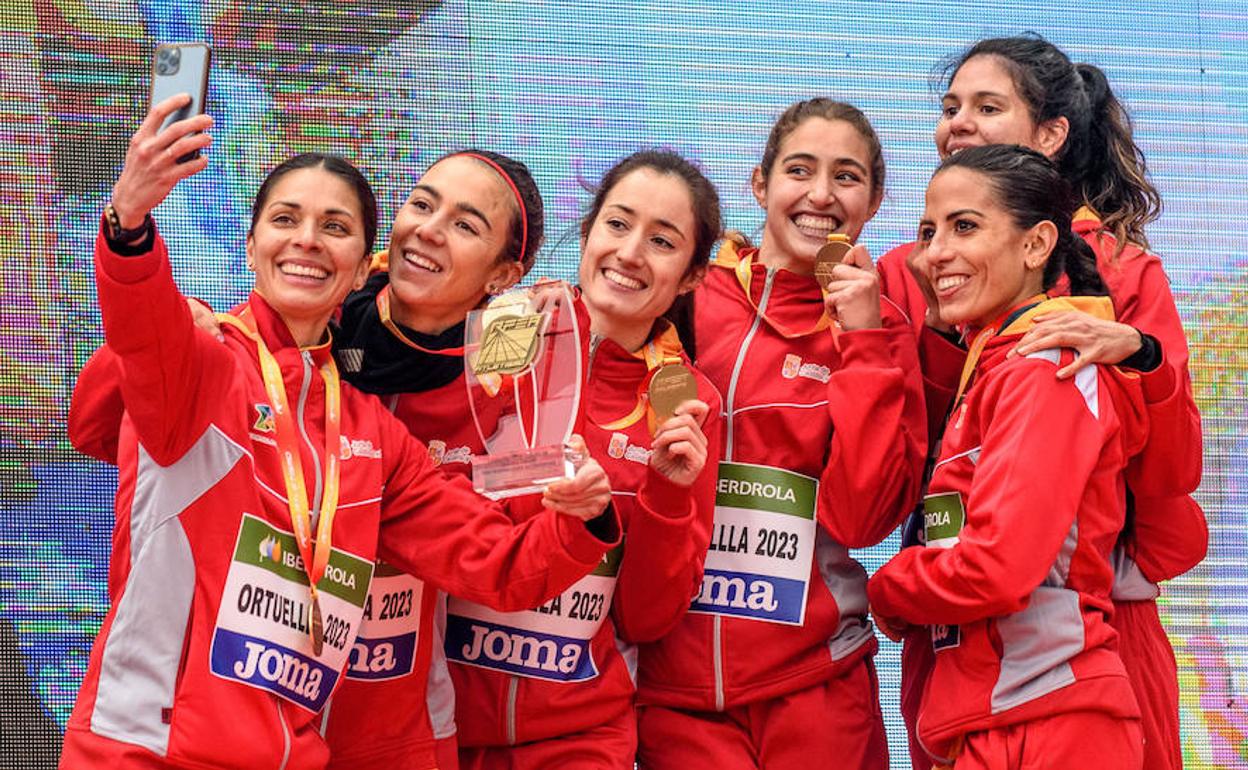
<point>168,61</point>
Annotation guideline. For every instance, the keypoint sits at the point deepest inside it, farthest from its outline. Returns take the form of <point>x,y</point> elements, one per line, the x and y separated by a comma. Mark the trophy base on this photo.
<point>522,472</point>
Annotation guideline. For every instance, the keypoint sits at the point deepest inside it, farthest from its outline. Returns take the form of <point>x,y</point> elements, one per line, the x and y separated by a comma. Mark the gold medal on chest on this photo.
<point>317,626</point>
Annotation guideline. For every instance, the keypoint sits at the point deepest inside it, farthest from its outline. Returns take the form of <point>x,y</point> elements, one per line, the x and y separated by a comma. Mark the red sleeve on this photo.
<point>1170,536</point>
<point>1172,457</point>
<point>939,359</point>
<point>669,532</point>
<point>96,408</point>
<point>1020,507</point>
<point>879,436</point>
<point>434,526</point>
<point>164,364</point>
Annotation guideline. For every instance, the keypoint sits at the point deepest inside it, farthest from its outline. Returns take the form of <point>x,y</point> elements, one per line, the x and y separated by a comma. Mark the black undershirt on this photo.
<point>372,359</point>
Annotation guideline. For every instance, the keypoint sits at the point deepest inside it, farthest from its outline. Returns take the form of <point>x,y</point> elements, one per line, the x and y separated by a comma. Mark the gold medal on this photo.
<point>318,626</point>
<point>509,344</point>
<point>830,255</point>
<point>671,386</point>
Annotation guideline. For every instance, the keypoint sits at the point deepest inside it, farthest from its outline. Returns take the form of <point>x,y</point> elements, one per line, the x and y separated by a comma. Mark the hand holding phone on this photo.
<point>152,168</point>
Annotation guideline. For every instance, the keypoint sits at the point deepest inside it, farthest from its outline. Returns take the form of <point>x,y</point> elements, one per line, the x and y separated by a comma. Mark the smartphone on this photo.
<point>181,68</point>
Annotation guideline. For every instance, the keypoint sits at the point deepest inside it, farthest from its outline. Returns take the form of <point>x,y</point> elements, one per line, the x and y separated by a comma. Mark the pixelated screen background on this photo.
<point>567,87</point>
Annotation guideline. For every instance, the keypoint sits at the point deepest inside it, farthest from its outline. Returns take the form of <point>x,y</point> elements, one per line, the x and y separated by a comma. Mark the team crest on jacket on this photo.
<point>794,368</point>
<point>360,447</point>
<point>619,448</point>
<point>264,419</point>
<point>440,455</point>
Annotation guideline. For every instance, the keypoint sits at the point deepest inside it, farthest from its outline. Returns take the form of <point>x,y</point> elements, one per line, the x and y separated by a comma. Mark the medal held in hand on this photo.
<point>829,256</point>
<point>523,367</point>
<point>671,386</point>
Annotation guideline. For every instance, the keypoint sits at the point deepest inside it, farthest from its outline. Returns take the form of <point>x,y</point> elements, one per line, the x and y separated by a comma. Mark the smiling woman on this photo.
<point>231,597</point>
<point>1012,591</point>
<point>822,398</point>
<point>313,218</point>
<point>645,242</point>
<point>986,246</point>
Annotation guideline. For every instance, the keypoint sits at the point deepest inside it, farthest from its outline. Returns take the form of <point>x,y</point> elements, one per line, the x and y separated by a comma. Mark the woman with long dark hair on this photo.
<point>1027,497</point>
<point>1024,90</point>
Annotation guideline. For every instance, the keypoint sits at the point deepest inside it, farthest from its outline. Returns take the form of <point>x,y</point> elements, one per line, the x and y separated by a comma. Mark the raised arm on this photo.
<point>434,526</point>
<point>668,532</point>
<point>165,365</point>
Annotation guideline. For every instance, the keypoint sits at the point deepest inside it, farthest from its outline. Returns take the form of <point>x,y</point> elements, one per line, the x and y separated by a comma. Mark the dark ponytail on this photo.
<point>1100,158</point>
<point>1114,175</point>
<point>1032,189</point>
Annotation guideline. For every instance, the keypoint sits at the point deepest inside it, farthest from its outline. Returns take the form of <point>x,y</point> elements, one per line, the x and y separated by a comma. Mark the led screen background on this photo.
<point>568,88</point>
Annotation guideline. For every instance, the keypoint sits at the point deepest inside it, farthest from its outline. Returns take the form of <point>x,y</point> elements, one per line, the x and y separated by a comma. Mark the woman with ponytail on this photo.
<point>1027,497</point>
<point>1024,90</point>
<point>823,449</point>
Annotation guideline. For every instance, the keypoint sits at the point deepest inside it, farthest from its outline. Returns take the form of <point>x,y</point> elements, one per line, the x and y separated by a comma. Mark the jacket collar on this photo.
<point>273,330</point>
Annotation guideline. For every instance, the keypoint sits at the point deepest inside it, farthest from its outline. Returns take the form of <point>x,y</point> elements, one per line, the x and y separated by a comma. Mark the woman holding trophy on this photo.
<point>236,606</point>
<point>564,696</point>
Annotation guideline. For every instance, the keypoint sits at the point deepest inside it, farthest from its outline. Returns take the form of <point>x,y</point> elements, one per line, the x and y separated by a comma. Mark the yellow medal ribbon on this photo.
<point>663,349</point>
<point>315,556</point>
<point>743,268</point>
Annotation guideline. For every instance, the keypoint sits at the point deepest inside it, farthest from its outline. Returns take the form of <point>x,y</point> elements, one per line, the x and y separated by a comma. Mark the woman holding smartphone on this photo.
<point>1024,90</point>
<point>235,607</point>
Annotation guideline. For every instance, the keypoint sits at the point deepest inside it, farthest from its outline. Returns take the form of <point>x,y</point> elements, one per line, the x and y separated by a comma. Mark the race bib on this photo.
<point>386,645</point>
<point>549,642</point>
<point>943,517</point>
<point>262,635</point>
<point>762,543</point>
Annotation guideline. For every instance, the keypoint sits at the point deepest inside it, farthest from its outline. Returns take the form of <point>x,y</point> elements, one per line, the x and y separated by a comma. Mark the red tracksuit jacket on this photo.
<point>1169,531</point>
<point>824,441</point>
<point>508,689</point>
<point>1169,534</point>
<point>397,657</point>
<point>1022,511</point>
<point>203,659</point>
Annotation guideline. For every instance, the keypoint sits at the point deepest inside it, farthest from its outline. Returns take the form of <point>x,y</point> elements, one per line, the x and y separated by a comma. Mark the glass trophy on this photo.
<point>523,366</point>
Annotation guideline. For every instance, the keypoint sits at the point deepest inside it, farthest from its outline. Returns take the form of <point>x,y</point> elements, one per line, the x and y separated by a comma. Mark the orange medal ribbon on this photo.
<point>982,338</point>
<point>663,349</point>
<point>315,555</point>
<point>383,309</point>
<point>745,276</point>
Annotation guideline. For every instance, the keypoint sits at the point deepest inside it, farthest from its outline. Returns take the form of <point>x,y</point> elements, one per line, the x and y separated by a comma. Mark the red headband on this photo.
<point>524,212</point>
